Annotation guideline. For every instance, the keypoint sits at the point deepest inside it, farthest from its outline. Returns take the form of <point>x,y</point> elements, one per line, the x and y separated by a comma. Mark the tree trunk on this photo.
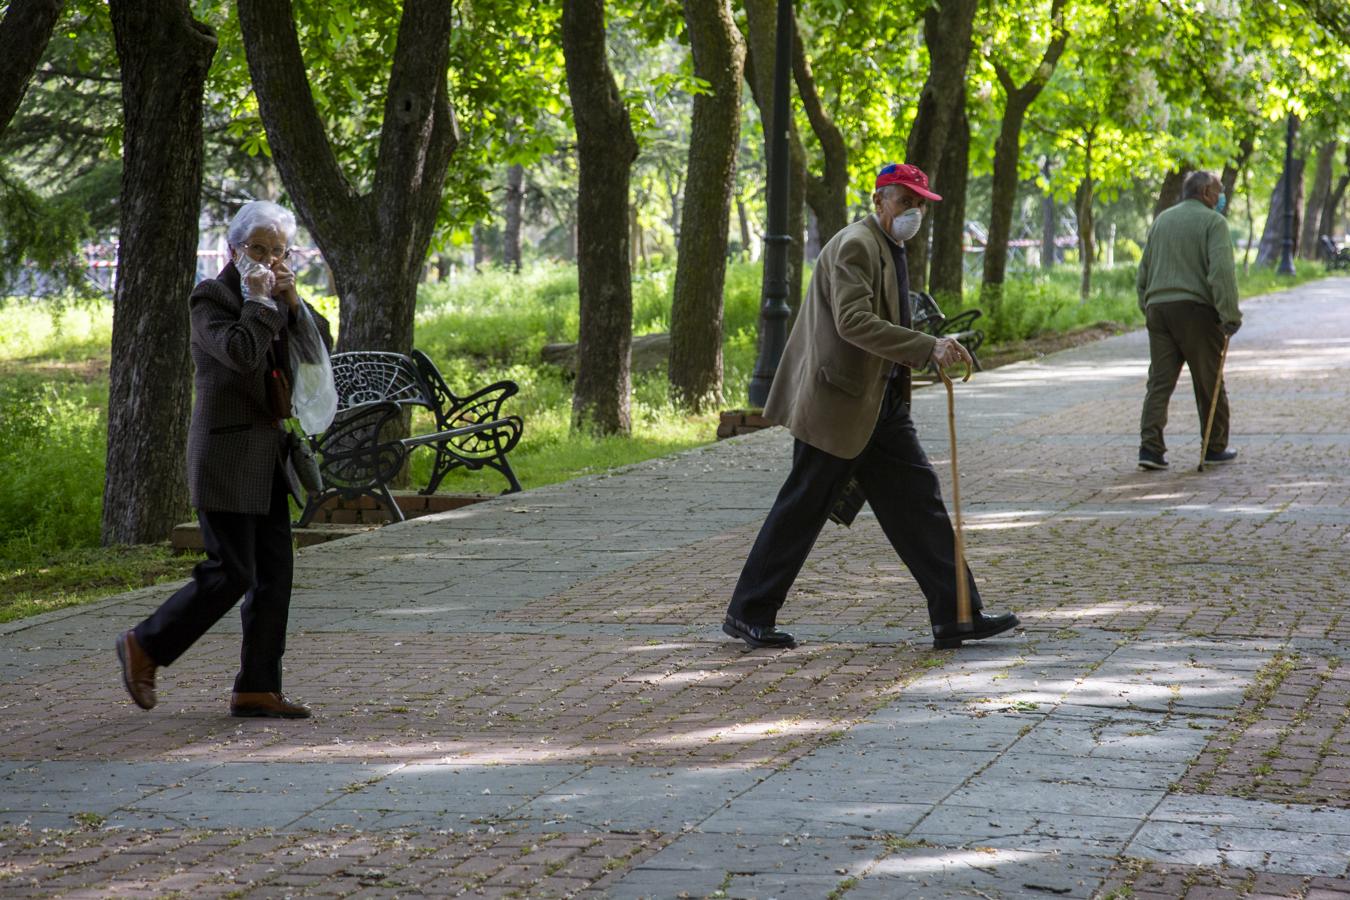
<point>1169,194</point>
<point>1234,167</point>
<point>1083,210</point>
<point>480,248</point>
<point>676,192</point>
<point>1272,235</point>
<point>949,216</point>
<point>744,219</point>
<point>1049,222</point>
<point>947,31</point>
<point>700,273</point>
<point>606,149</point>
<point>826,194</point>
<point>813,242</point>
<point>1003,196</point>
<point>1008,156</point>
<point>165,55</point>
<point>761,50</point>
<point>1317,198</point>
<point>375,242</point>
<point>515,199</point>
<point>24,33</point>
<point>1333,204</point>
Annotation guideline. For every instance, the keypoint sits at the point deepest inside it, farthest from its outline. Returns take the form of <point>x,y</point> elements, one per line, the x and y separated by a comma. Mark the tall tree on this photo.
<point>376,242</point>
<point>165,55</point>
<point>1008,153</point>
<point>1049,221</point>
<point>1308,247</point>
<point>24,33</point>
<point>1333,204</point>
<point>696,311</point>
<point>1169,193</point>
<point>761,51</point>
<point>515,200</point>
<point>1271,248</point>
<point>827,193</point>
<point>947,268</point>
<point>947,30</point>
<point>606,149</point>
<point>1082,206</point>
<point>1235,166</point>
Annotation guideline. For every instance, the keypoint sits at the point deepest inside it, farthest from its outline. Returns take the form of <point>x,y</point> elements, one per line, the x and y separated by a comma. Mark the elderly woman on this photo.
<point>239,471</point>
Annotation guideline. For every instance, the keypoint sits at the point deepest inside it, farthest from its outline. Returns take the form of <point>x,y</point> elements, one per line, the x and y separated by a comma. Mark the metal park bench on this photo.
<point>1334,258</point>
<point>359,454</point>
<point>926,316</point>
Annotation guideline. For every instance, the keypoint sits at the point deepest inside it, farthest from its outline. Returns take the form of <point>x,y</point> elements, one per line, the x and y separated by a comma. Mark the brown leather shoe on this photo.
<point>138,671</point>
<point>267,705</point>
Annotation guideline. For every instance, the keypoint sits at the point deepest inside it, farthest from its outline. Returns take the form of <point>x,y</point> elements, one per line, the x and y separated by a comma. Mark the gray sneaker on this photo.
<point>1150,460</point>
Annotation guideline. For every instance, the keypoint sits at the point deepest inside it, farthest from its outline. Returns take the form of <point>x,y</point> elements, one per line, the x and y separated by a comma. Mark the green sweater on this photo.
<point>1189,256</point>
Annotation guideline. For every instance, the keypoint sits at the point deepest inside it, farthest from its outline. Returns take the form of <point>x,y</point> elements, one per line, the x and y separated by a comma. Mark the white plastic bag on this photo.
<point>313,394</point>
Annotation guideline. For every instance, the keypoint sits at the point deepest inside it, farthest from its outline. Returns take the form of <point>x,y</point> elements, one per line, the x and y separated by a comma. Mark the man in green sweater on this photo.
<point>1187,288</point>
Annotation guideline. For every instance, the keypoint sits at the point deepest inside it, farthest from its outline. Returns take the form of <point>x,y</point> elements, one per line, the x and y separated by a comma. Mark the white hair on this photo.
<point>260,214</point>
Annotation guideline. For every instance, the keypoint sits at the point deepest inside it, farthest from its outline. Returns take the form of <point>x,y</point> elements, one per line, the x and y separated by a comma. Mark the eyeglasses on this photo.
<point>260,252</point>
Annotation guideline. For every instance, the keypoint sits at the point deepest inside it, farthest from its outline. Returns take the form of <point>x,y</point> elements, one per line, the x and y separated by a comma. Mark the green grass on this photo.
<point>54,388</point>
<point>52,447</point>
<point>43,582</point>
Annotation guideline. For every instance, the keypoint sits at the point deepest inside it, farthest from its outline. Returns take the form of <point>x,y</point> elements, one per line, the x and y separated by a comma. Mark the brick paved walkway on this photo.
<point>531,697</point>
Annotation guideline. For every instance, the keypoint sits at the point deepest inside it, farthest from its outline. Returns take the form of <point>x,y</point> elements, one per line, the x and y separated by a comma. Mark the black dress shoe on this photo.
<point>948,637</point>
<point>758,635</point>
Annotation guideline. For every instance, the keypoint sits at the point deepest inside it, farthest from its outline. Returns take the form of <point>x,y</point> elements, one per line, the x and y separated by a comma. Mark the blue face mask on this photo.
<point>1222,204</point>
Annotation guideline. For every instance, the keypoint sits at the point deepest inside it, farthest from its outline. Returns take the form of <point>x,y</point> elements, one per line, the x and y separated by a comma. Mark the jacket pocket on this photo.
<point>229,429</point>
<point>851,386</point>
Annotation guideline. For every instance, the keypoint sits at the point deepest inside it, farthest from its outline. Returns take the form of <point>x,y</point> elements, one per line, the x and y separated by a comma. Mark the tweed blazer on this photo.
<point>234,443</point>
<point>832,377</point>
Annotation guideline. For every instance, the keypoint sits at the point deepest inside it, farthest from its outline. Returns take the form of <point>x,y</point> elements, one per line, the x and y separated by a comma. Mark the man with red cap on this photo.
<point>842,389</point>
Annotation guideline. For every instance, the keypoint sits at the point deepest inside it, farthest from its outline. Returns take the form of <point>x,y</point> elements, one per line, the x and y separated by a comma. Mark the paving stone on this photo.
<point>785,816</point>
<point>938,872</point>
<point>611,798</point>
<point>963,826</point>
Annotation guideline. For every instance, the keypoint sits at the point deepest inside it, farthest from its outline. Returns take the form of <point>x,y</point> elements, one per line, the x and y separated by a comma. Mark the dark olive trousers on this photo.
<point>247,556</point>
<point>905,495</point>
<point>1183,332</point>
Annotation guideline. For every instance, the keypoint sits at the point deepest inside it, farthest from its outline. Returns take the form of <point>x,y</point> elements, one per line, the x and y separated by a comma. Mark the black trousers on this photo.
<point>246,556</point>
<point>904,493</point>
<point>1183,333</point>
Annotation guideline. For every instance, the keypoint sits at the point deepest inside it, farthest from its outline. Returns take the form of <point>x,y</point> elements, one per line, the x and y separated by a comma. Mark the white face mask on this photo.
<point>246,264</point>
<point>906,225</point>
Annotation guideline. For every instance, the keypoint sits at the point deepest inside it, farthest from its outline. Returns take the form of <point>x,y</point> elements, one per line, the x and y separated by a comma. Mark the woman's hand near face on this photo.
<point>285,284</point>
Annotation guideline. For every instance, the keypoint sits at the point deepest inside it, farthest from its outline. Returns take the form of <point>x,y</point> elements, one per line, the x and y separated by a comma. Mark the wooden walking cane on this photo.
<point>963,615</point>
<point>1213,405</point>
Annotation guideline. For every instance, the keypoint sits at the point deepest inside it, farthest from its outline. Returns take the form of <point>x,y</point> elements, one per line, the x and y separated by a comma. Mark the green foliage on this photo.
<point>44,232</point>
<point>54,334</point>
<point>52,447</point>
<point>1036,303</point>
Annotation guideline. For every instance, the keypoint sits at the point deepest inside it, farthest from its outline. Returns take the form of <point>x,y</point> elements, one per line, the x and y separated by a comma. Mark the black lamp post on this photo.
<point>774,312</point>
<point>1286,266</point>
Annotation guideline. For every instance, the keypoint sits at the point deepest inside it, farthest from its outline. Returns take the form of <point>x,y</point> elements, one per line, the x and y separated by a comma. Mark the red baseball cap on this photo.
<point>911,177</point>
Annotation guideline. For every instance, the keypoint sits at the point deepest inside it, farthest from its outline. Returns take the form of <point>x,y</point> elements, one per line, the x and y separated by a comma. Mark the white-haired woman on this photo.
<point>239,472</point>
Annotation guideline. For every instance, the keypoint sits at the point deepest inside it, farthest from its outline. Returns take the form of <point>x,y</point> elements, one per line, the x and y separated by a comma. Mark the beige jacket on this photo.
<point>830,383</point>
